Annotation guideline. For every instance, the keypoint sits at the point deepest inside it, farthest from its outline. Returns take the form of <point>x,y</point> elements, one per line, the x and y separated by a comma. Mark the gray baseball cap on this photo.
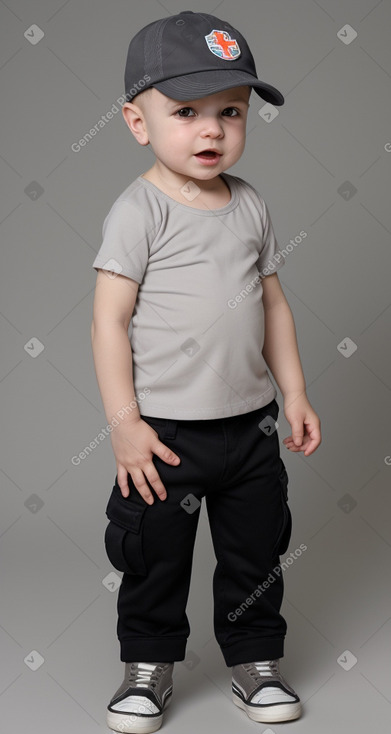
<point>190,55</point>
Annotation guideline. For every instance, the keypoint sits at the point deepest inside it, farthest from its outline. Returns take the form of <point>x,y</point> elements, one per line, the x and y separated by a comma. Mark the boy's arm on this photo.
<point>112,311</point>
<point>281,354</point>
<point>134,441</point>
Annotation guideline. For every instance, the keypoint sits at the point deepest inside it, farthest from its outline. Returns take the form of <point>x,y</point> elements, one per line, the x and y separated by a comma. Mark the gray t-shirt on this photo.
<point>197,330</point>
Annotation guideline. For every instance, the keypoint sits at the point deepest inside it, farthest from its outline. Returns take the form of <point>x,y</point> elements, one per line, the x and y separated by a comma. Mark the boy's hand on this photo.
<point>305,425</point>
<point>134,445</point>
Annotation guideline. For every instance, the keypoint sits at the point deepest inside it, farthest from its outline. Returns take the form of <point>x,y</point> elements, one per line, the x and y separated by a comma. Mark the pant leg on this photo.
<point>153,546</point>
<point>251,524</point>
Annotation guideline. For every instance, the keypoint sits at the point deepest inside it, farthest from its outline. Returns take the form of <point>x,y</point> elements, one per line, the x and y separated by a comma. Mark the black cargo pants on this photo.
<point>235,463</point>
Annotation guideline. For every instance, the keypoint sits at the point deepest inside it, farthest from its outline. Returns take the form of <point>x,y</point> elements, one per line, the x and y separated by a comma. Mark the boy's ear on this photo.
<point>135,121</point>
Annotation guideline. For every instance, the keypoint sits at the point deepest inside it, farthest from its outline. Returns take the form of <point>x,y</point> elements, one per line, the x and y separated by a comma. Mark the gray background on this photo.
<point>331,137</point>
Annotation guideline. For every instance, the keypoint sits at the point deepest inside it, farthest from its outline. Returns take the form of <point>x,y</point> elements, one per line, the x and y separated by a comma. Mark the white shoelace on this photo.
<point>264,668</point>
<point>144,674</point>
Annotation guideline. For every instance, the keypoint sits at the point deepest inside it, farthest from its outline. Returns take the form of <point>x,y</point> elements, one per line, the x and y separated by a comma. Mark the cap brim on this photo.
<point>203,83</point>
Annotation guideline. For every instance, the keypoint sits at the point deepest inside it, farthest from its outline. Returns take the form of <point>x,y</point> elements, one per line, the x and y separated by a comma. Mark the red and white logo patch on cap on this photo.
<point>222,45</point>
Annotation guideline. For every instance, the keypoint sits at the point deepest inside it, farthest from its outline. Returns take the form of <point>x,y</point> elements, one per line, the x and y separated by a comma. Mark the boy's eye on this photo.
<point>232,109</point>
<point>185,110</point>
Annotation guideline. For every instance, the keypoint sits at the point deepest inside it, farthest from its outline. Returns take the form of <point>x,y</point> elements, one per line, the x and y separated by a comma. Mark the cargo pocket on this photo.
<point>284,536</point>
<point>124,533</point>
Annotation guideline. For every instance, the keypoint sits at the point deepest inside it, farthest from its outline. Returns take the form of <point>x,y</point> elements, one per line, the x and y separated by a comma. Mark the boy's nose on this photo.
<point>212,127</point>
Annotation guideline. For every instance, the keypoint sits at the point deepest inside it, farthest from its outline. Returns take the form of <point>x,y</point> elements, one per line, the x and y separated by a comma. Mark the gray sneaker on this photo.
<point>138,705</point>
<point>261,691</point>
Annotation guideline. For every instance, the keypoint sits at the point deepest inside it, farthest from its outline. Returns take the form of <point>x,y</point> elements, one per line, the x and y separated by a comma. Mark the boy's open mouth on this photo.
<point>211,155</point>
<point>208,153</point>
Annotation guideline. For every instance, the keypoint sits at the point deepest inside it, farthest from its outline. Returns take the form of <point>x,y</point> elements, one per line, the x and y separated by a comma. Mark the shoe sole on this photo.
<point>278,712</point>
<point>134,724</point>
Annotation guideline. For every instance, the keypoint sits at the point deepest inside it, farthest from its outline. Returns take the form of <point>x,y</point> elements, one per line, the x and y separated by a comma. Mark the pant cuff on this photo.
<point>250,651</point>
<point>152,649</point>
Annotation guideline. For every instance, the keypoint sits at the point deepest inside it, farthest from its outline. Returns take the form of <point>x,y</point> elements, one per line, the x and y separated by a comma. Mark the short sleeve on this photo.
<point>126,240</point>
<point>270,257</point>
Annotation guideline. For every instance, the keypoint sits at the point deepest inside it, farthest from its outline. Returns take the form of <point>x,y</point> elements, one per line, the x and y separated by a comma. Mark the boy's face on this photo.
<point>179,130</point>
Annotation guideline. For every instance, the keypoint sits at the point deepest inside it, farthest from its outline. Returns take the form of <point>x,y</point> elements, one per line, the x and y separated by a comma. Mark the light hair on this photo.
<point>142,98</point>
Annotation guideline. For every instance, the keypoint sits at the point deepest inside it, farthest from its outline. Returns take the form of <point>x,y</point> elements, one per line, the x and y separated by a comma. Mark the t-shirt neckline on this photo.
<point>230,181</point>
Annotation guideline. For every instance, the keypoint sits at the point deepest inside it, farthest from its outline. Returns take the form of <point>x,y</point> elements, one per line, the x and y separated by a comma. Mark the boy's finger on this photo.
<point>313,444</point>
<point>165,453</point>
<point>122,476</point>
<point>297,433</point>
<point>155,482</point>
